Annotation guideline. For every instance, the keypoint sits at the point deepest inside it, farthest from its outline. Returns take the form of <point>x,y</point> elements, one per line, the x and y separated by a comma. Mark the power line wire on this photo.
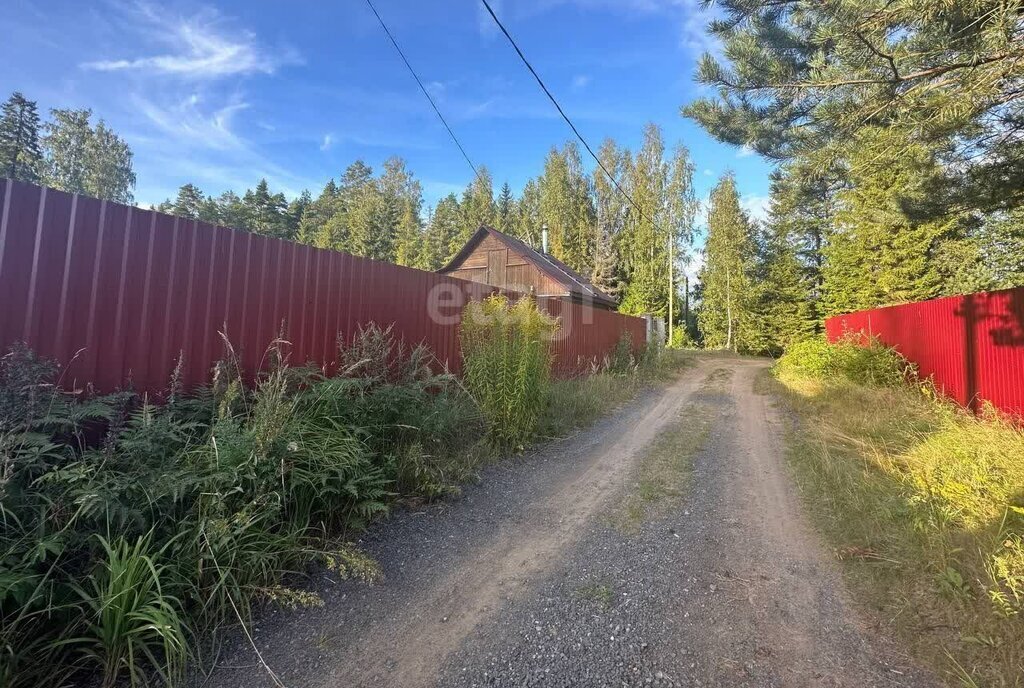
<point>422,87</point>
<point>562,112</point>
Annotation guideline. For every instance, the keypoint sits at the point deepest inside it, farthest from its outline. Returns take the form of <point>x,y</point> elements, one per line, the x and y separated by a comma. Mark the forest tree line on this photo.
<point>621,245</point>
<point>592,227</point>
<point>898,133</point>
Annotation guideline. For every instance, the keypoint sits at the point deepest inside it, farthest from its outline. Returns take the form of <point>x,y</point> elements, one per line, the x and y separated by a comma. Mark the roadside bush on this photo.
<point>506,351</point>
<point>131,532</point>
<point>681,338</point>
<point>855,359</point>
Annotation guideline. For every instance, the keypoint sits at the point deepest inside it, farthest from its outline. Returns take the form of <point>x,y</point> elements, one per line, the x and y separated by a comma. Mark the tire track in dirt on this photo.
<point>440,618</point>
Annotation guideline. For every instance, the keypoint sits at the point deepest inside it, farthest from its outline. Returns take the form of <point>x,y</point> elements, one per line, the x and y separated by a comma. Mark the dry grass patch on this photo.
<point>663,473</point>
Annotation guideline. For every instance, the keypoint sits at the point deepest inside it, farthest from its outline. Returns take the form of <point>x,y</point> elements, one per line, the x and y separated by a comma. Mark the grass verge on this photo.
<point>924,505</point>
<point>577,402</point>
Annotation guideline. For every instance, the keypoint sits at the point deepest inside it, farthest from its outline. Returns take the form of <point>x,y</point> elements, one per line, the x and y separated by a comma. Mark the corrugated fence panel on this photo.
<point>972,346</point>
<point>120,295</point>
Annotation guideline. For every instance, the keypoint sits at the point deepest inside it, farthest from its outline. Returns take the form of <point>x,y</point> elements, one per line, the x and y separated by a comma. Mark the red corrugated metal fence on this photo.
<point>118,294</point>
<point>972,346</point>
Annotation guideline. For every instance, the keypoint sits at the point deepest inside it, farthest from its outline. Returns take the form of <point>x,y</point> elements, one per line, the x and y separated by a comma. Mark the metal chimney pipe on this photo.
<point>544,238</point>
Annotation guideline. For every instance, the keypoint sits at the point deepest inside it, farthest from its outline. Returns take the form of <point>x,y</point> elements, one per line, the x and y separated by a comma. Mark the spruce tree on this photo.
<point>528,223</point>
<point>610,206</point>
<point>297,208</point>
<point>21,155</point>
<point>477,204</point>
<point>188,203</point>
<point>506,210</point>
<point>566,206</point>
<point>784,311</point>
<point>313,225</point>
<point>878,254</point>
<point>408,242</point>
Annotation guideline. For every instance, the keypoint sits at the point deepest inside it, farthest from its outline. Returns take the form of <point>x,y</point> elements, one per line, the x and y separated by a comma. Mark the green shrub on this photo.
<point>866,362</point>
<point>506,350</point>
<point>233,489</point>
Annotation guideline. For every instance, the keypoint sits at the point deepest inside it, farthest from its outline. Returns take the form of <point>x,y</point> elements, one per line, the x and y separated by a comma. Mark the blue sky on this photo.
<point>223,94</point>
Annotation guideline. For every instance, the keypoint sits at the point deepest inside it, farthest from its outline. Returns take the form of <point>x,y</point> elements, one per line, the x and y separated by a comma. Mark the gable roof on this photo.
<point>574,283</point>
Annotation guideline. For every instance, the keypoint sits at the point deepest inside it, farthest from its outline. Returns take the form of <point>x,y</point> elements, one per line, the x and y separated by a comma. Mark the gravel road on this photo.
<point>528,579</point>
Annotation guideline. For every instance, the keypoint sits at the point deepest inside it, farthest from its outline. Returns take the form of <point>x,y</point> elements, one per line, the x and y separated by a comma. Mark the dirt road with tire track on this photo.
<point>530,578</point>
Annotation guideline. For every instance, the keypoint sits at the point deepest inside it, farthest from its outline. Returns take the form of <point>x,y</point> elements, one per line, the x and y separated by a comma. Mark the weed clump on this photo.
<point>506,350</point>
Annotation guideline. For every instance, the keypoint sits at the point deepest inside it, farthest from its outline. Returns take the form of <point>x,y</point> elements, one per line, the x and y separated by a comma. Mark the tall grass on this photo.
<point>506,351</point>
<point>924,503</point>
<point>131,532</point>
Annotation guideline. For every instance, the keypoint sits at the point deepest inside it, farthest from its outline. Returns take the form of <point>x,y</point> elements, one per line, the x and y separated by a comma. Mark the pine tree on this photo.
<point>802,78</point>
<point>267,213</point>
<point>728,309</point>
<point>231,211</point>
<point>21,156</point>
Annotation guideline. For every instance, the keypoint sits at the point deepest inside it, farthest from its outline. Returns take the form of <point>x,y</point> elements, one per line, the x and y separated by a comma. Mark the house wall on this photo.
<point>491,258</point>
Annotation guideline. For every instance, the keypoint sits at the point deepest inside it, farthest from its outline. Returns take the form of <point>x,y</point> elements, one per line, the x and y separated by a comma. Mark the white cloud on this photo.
<point>188,123</point>
<point>197,139</point>
<point>580,81</point>
<point>756,206</point>
<point>709,173</point>
<point>692,268</point>
<point>327,142</point>
<point>201,46</point>
<point>745,151</point>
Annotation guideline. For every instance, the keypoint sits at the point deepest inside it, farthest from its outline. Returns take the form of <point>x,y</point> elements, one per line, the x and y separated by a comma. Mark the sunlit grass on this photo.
<point>923,503</point>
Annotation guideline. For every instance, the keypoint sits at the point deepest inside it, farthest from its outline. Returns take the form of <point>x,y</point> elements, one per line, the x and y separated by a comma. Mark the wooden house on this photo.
<point>499,260</point>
